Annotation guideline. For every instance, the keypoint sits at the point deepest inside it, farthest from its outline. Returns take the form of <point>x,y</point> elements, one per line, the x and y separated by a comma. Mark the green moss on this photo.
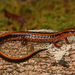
<point>44,14</point>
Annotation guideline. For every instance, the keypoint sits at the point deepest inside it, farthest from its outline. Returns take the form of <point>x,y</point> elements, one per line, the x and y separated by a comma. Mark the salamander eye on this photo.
<point>72,31</point>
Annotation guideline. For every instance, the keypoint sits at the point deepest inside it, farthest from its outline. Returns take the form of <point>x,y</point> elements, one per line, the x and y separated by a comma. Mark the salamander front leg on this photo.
<point>67,41</point>
<point>24,41</point>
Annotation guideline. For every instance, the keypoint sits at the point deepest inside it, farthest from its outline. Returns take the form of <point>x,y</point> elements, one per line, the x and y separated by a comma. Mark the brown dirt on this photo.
<point>42,63</point>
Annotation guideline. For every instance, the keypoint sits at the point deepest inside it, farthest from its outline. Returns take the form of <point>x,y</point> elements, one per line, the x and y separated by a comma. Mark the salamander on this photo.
<point>26,36</point>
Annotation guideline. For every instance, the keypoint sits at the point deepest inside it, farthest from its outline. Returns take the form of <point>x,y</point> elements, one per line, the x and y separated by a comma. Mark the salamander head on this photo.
<point>72,30</point>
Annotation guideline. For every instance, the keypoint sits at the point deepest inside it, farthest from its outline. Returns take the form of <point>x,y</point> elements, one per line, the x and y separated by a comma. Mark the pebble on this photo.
<point>45,74</point>
<point>9,70</point>
<point>20,69</point>
<point>15,73</point>
<point>23,73</point>
<point>29,67</point>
